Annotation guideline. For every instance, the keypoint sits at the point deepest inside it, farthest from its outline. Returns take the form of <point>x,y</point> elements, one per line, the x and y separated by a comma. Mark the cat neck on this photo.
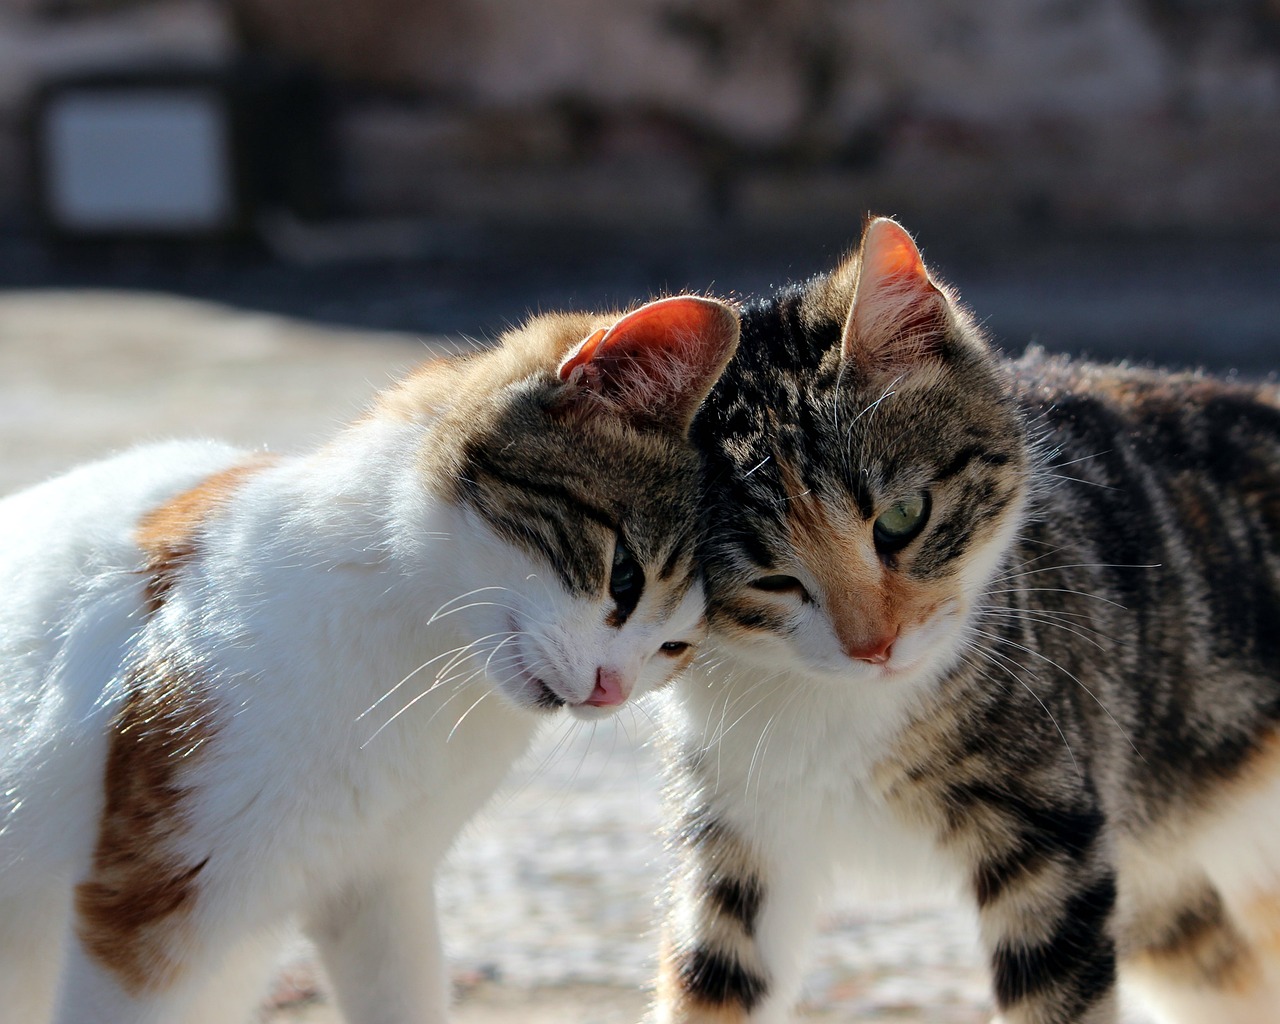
<point>319,598</point>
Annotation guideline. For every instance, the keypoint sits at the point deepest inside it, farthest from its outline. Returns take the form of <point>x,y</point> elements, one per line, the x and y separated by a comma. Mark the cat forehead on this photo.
<point>565,491</point>
<point>852,447</point>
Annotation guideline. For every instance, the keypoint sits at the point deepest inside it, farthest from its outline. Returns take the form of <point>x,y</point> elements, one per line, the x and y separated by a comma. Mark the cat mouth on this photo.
<point>540,694</point>
<point>531,687</point>
<point>545,697</point>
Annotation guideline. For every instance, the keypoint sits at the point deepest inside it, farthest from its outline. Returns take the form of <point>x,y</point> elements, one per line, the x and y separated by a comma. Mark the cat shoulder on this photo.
<point>93,513</point>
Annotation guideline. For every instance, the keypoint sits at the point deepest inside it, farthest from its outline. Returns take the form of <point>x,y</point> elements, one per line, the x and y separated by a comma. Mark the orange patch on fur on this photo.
<point>865,600</point>
<point>139,887</point>
<point>1261,920</point>
<point>1212,956</point>
<point>169,533</point>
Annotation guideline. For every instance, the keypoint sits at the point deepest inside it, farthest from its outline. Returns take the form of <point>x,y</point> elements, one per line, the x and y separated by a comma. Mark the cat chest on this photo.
<point>831,785</point>
<point>882,850</point>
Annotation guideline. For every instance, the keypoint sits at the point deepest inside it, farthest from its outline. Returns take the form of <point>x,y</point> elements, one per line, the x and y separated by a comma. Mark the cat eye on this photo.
<point>674,647</point>
<point>626,580</point>
<point>901,523</point>
<point>779,584</point>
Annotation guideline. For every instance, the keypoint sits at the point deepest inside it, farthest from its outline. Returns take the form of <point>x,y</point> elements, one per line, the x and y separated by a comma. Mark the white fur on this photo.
<point>324,603</point>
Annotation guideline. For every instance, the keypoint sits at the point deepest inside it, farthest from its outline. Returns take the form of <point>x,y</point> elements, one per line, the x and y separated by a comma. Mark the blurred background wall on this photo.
<point>1009,114</point>
<point>1094,175</point>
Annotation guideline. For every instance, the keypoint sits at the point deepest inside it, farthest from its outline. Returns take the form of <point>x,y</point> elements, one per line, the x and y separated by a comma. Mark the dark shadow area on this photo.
<point>1174,301</point>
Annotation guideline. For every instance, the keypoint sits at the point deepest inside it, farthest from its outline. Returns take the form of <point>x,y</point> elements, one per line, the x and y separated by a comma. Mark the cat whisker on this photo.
<point>471,674</point>
<point>447,676</point>
<point>762,744</point>
<point>497,647</point>
<point>1083,458</point>
<point>1059,590</point>
<point>992,657</point>
<point>725,730</point>
<point>888,392</point>
<point>568,728</point>
<point>445,654</point>
<point>1036,654</point>
<point>1076,565</point>
<point>476,604</point>
<point>640,707</point>
<point>445,609</point>
<point>458,723</point>
<point>1027,561</point>
<point>459,687</point>
<point>467,654</point>
<point>1057,612</point>
<point>1024,615</point>
<point>582,759</point>
<point>1080,480</point>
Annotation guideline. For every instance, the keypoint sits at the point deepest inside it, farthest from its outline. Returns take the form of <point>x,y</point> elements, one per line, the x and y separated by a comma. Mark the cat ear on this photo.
<point>655,365</point>
<point>898,314</point>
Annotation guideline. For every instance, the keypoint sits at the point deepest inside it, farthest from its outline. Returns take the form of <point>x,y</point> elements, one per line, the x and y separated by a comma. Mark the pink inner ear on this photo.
<point>655,365</point>
<point>888,252</point>
<point>665,324</point>
<point>897,312</point>
<point>582,354</point>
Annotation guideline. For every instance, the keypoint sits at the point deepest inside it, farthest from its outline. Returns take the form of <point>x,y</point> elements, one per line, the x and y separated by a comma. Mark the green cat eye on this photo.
<point>901,523</point>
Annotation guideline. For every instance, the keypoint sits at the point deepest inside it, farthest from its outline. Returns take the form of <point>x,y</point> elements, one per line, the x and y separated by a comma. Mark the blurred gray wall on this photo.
<point>998,114</point>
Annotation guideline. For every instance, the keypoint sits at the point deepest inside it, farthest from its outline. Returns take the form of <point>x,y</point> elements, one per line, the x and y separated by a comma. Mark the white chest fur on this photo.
<point>791,759</point>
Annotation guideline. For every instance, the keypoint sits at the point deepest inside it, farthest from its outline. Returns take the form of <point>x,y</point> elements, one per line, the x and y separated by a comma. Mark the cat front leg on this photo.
<point>740,923</point>
<point>380,944</point>
<point>1046,893</point>
<point>94,991</point>
<point>137,943</point>
<point>33,925</point>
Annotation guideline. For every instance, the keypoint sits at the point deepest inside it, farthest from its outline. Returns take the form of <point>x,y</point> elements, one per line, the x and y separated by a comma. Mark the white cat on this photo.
<point>238,689</point>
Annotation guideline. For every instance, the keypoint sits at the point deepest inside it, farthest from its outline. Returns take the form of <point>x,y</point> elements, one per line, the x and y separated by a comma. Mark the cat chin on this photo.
<point>591,713</point>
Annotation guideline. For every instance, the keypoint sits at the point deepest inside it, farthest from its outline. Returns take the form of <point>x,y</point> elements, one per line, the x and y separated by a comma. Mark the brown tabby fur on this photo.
<point>1090,754</point>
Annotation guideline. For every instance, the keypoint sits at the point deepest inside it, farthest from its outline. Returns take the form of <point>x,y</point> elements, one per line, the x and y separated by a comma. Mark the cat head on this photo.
<point>867,469</point>
<point>565,457</point>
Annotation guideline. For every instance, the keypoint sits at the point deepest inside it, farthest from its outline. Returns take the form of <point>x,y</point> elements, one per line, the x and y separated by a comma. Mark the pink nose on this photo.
<point>877,651</point>
<point>611,689</point>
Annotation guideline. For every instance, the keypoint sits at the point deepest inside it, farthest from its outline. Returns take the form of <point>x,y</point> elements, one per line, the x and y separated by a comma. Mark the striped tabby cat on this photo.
<point>1012,627</point>
<point>238,690</point>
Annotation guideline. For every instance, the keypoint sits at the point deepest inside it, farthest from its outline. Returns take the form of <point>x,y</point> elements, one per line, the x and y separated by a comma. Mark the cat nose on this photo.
<point>611,689</point>
<point>877,651</point>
